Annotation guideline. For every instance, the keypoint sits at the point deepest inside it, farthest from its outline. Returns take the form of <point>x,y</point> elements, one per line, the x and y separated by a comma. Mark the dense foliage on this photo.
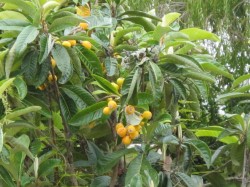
<point>97,94</point>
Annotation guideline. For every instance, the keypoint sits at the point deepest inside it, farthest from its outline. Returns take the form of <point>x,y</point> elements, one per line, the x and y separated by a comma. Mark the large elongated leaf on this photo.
<point>106,163</point>
<point>48,166</point>
<point>62,59</point>
<point>239,80</point>
<point>23,111</point>
<point>89,60</point>
<point>88,114</point>
<point>65,22</point>
<point>140,173</point>
<point>26,7</point>
<point>12,24</point>
<point>148,26</point>
<point>46,44</point>
<point>4,85</point>
<point>140,14</point>
<point>186,179</point>
<point>202,148</point>
<point>199,34</point>
<point>170,18</point>
<point>200,76</point>
<point>111,66</point>
<point>232,95</point>
<point>81,93</point>
<point>21,87</point>
<point>6,177</point>
<point>105,84</point>
<point>101,181</point>
<point>121,33</point>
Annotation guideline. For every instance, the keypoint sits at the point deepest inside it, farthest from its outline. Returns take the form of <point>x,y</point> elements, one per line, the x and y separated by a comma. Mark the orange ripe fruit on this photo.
<point>147,115</point>
<point>86,44</point>
<point>53,62</point>
<point>66,44</point>
<point>112,105</point>
<point>126,140</point>
<point>84,26</point>
<point>120,81</point>
<point>51,78</point>
<point>131,129</point>
<point>42,87</point>
<point>106,111</point>
<point>130,109</point>
<point>134,135</point>
<point>122,131</point>
<point>137,127</point>
<point>118,125</point>
<point>72,42</point>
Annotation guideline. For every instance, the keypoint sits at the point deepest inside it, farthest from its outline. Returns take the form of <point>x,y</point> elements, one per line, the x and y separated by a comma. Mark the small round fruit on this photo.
<point>131,129</point>
<point>118,125</point>
<point>51,78</point>
<point>86,44</point>
<point>142,124</point>
<point>66,44</point>
<point>147,115</point>
<point>130,109</point>
<point>53,62</point>
<point>122,132</point>
<point>106,111</point>
<point>84,26</point>
<point>115,85</point>
<point>42,87</point>
<point>126,140</point>
<point>72,42</point>
<point>112,105</point>
<point>134,135</point>
<point>110,99</point>
<point>120,81</point>
<point>137,127</point>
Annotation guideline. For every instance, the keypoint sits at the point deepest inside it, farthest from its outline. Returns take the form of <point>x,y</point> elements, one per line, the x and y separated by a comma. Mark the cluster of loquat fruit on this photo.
<point>68,43</point>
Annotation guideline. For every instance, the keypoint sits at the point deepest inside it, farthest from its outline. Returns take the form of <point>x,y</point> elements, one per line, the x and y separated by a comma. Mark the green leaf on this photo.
<point>27,36</point>
<point>9,14</point>
<point>29,67</point>
<point>144,98</point>
<point>111,66</point>
<point>93,153</point>
<point>48,166</point>
<point>123,32</point>
<point>26,7</point>
<point>12,24</point>
<point>89,60</point>
<point>239,80</point>
<point>1,139</point>
<point>199,34</point>
<point>199,76</point>
<point>65,22</point>
<point>208,66</point>
<point>140,14</point>
<point>232,95</point>
<point>170,18</point>
<point>62,59</point>
<point>80,93</point>
<point>19,112</point>
<point>179,60</point>
<point>140,173</point>
<point>88,114</point>
<point>21,87</point>
<point>46,45</point>
<point>216,179</point>
<point>4,85</point>
<point>6,177</point>
<point>105,84</point>
<point>31,100</point>
<point>237,154</point>
<point>148,26</point>
<point>101,181</point>
<point>202,148</point>
<point>186,179</point>
<point>107,162</point>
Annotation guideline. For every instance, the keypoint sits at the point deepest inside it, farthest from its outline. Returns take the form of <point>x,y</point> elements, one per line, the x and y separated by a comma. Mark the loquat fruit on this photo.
<point>120,81</point>
<point>84,26</point>
<point>51,78</point>
<point>134,135</point>
<point>126,140</point>
<point>118,125</point>
<point>106,111</point>
<point>131,129</point>
<point>147,115</point>
<point>66,44</point>
<point>130,109</point>
<point>72,42</point>
<point>86,44</point>
<point>115,85</point>
<point>122,131</point>
<point>53,62</point>
<point>112,105</point>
